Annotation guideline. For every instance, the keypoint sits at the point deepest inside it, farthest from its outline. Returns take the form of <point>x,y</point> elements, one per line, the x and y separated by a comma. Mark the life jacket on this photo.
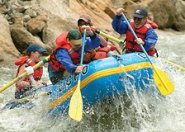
<point>152,24</point>
<point>102,52</point>
<point>37,72</point>
<point>131,45</point>
<point>63,43</point>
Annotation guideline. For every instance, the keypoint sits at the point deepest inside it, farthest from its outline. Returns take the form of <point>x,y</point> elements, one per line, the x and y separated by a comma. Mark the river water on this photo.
<point>136,112</point>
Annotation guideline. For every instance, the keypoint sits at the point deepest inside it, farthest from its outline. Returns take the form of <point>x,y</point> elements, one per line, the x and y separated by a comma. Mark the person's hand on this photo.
<point>29,70</point>
<point>139,41</point>
<point>88,30</point>
<point>89,55</point>
<point>79,69</point>
<point>93,28</point>
<point>120,11</point>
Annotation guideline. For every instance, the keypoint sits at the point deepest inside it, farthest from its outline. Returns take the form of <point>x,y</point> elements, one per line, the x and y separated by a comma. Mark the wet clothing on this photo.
<point>20,90</point>
<point>65,58</point>
<point>146,33</point>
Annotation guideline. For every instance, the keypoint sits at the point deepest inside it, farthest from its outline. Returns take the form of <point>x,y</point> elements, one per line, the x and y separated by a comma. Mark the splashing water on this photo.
<point>135,111</point>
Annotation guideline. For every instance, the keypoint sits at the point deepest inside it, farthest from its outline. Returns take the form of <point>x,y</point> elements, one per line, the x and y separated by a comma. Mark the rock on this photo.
<point>7,49</point>
<point>37,24</point>
<point>3,9</point>
<point>26,18</point>
<point>179,19</point>
<point>17,20</point>
<point>96,11</point>
<point>164,16</point>
<point>110,12</point>
<point>54,28</point>
<point>2,2</point>
<point>63,15</point>
<point>22,38</point>
<point>26,0</point>
<point>32,13</point>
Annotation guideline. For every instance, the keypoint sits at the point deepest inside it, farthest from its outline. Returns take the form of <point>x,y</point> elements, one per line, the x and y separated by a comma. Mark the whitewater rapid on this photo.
<point>136,112</point>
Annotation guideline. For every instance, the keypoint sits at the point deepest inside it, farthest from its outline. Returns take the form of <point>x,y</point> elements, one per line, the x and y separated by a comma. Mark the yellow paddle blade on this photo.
<point>76,105</point>
<point>163,82</point>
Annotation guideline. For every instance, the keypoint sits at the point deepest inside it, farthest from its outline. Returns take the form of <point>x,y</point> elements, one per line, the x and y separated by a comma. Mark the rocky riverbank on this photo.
<point>41,21</point>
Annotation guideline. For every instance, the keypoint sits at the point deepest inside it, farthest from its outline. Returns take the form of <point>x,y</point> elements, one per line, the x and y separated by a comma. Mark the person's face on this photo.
<point>82,23</point>
<point>37,56</point>
<point>139,22</point>
<point>75,46</point>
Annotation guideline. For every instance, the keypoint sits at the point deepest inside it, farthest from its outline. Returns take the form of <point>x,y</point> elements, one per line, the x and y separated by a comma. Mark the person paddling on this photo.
<point>142,26</point>
<point>65,57</point>
<point>105,46</point>
<point>33,56</point>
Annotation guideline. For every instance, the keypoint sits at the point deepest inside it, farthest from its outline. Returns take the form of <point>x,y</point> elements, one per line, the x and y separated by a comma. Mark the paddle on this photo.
<point>110,37</point>
<point>121,42</point>
<point>174,64</point>
<point>23,74</point>
<point>13,103</point>
<point>76,104</point>
<point>164,84</point>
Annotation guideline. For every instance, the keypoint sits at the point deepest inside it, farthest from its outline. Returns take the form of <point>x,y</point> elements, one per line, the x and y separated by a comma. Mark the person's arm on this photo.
<point>64,58</point>
<point>103,40</point>
<point>92,42</point>
<point>119,25</point>
<point>151,39</point>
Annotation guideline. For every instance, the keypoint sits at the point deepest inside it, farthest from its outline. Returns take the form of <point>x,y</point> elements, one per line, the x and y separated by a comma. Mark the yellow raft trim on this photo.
<point>97,75</point>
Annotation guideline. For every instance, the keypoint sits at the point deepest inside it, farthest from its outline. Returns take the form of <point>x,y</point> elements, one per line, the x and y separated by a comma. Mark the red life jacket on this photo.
<point>62,42</point>
<point>36,75</point>
<point>102,52</point>
<point>152,24</point>
<point>131,45</point>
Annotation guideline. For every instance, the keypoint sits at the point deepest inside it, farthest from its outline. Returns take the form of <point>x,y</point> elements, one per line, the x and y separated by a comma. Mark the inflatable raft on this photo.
<point>102,79</point>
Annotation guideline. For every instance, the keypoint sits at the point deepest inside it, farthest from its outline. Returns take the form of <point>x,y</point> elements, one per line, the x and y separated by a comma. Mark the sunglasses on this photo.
<point>137,19</point>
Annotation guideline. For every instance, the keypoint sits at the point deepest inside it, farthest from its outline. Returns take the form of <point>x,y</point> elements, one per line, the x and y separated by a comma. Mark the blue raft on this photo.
<point>102,79</point>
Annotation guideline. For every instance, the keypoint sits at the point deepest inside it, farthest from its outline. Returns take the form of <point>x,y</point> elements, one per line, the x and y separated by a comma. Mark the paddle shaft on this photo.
<point>23,75</point>
<point>141,46</point>
<point>82,53</point>
<point>76,103</point>
<point>110,37</point>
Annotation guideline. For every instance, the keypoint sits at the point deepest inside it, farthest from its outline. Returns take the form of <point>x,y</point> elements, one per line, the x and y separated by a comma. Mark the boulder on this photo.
<point>164,14</point>
<point>7,49</point>
<point>36,25</point>
<point>22,38</point>
<point>58,20</point>
<point>97,10</point>
<point>179,19</point>
<point>110,12</point>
